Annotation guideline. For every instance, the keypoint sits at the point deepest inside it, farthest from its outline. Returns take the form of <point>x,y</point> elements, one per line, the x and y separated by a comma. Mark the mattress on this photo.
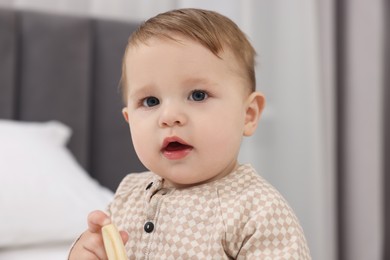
<point>40,252</point>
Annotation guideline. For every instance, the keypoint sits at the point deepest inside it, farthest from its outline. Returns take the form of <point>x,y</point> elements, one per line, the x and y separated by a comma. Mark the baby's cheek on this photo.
<point>224,141</point>
<point>140,144</point>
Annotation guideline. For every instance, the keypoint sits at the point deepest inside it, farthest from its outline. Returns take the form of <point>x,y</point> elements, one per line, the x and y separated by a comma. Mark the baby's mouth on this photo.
<point>174,148</point>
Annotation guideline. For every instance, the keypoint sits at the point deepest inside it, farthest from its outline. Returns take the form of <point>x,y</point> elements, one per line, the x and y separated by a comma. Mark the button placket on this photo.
<point>154,198</point>
<point>153,208</point>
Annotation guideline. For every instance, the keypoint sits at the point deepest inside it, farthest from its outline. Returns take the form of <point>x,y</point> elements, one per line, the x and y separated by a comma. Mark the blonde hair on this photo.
<point>211,29</point>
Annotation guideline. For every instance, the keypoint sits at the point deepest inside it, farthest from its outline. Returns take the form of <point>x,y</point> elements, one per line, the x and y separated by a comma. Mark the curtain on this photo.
<point>360,89</point>
<point>386,117</point>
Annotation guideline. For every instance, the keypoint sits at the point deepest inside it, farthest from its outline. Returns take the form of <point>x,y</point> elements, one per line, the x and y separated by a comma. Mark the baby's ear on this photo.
<point>255,105</point>
<point>125,114</point>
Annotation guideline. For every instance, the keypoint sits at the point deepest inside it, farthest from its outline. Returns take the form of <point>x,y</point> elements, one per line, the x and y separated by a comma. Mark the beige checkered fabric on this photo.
<point>240,216</point>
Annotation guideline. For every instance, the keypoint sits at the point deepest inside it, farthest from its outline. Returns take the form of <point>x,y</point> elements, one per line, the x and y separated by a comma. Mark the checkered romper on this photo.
<point>240,216</point>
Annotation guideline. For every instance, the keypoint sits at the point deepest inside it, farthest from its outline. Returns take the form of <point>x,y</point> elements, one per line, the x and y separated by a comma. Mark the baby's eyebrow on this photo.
<point>141,91</point>
<point>197,81</point>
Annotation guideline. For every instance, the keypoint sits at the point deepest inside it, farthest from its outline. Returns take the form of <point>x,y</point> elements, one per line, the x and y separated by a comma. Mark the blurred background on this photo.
<point>324,133</point>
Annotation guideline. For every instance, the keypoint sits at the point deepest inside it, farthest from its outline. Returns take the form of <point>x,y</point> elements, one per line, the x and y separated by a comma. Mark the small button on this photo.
<point>149,186</point>
<point>148,227</point>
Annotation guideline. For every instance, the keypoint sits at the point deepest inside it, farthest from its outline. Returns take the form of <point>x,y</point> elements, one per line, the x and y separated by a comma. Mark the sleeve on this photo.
<point>273,234</point>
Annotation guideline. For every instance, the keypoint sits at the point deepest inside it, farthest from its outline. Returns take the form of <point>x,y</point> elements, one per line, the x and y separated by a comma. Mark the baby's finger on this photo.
<point>94,245</point>
<point>87,255</point>
<point>125,236</point>
<point>96,220</point>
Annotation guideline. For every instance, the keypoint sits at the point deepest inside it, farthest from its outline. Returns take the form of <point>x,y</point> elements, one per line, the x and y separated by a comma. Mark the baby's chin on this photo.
<point>184,175</point>
<point>179,184</point>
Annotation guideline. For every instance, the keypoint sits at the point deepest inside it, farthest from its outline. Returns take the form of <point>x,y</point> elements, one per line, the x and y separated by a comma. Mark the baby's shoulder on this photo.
<point>250,194</point>
<point>253,211</point>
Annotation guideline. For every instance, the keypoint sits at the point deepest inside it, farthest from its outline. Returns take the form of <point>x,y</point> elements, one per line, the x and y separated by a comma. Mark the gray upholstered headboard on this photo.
<point>68,69</point>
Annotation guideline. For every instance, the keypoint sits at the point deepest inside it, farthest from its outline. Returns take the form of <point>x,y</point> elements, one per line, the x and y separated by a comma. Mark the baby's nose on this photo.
<point>172,115</point>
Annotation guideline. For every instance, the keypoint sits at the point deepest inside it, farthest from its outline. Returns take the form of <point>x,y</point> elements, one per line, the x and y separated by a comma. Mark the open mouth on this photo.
<point>174,148</point>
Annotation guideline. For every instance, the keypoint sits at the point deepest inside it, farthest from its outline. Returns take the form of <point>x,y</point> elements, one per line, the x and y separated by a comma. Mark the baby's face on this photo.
<point>186,109</point>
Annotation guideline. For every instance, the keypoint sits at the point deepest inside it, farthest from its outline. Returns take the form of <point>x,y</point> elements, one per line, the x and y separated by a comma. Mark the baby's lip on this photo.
<point>173,142</point>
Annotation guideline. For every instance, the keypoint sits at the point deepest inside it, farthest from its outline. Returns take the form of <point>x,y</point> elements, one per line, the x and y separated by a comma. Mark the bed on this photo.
<point>64,146</point>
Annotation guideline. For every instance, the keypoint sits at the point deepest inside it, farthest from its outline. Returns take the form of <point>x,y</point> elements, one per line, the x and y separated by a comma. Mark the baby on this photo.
<point>188,83</point>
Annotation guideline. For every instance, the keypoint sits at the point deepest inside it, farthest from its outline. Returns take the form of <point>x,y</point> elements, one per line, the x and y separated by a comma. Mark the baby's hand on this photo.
<point>90,245</point>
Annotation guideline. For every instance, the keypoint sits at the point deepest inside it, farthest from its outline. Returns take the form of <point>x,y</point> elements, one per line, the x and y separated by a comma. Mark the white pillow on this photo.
<point>45,196</point>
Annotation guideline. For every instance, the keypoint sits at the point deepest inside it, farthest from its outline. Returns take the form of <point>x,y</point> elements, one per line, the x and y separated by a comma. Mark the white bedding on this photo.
<point>40,252</point>
<point>45,195</point>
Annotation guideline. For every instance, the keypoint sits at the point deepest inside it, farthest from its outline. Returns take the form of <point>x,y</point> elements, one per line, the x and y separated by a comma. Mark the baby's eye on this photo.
<point>150,102</point>
<point>198,95</point>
